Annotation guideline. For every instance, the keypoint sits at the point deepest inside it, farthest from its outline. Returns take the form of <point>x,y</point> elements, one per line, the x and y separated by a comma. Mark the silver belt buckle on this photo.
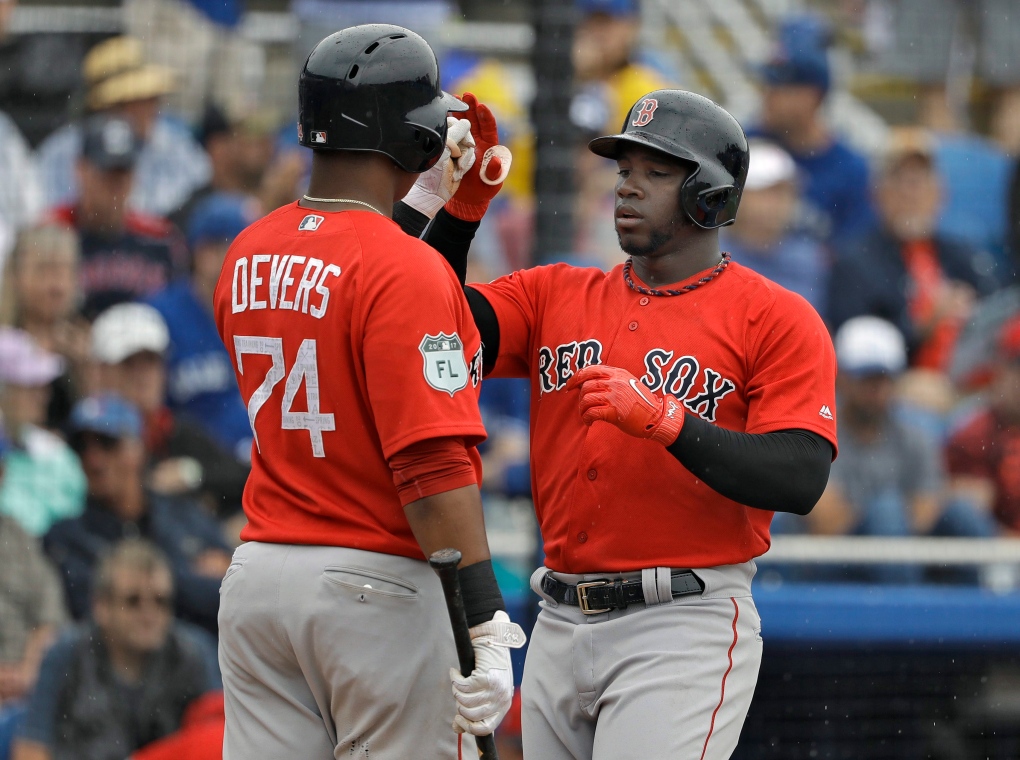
<point>582,597</point>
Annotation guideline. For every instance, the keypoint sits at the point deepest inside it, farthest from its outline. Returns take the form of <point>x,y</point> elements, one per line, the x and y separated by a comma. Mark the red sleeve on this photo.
<point>793,376</point>
<point>430,467</point>
<point>967,451</point>
<point>421,351</point>
<point>513,298</point>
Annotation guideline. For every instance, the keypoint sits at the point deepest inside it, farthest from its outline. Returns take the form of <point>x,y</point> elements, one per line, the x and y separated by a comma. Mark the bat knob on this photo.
<point>445,558</point>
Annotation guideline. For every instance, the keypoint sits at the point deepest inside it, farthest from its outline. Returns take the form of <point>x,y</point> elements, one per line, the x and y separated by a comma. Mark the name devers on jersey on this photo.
<point>281,282</point>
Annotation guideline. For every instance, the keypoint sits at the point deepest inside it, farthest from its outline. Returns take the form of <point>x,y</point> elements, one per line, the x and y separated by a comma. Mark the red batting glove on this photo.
<point>473,196</point>
<point>615,396</point>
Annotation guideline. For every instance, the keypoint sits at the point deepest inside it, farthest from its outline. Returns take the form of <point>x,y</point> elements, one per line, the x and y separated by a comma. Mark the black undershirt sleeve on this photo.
<point>452,237</point>
<point>784,471</point>
<point>411,221</point>
<point>488,327</point>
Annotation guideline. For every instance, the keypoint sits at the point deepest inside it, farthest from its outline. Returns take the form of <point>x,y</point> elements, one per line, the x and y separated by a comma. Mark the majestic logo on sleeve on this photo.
<point>699,388</point>
<point>646,113</point>
<point>445,368</point>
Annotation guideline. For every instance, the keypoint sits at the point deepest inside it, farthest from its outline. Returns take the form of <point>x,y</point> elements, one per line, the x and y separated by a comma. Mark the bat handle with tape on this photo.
<point>445,562</point>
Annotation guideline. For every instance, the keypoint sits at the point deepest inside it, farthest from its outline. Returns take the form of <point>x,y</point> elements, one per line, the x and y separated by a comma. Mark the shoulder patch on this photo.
<point>444,366</point>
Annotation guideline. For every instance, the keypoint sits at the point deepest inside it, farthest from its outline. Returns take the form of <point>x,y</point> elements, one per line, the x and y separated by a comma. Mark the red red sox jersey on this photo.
<point>740,352</point>
<point>350,341</point>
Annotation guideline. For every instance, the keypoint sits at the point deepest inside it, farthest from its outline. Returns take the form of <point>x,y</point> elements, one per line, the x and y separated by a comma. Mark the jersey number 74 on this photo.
<point>305,368</point>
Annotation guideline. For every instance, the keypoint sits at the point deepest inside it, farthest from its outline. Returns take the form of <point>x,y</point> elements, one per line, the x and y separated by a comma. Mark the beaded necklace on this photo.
<point>723,263</point>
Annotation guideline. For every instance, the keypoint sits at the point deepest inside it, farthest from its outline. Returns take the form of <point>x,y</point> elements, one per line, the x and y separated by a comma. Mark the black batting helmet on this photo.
<point>694,129</point>
<point>375,87</point>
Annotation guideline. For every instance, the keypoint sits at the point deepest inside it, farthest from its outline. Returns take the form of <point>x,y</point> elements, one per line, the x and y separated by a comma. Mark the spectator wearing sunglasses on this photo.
<point>106,432</point>
<point>125,678</point>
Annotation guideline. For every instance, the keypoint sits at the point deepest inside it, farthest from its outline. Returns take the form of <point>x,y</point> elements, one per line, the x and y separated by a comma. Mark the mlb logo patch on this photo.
<point>300,132</point>
<point>319,137</point>
<point>310,223</point>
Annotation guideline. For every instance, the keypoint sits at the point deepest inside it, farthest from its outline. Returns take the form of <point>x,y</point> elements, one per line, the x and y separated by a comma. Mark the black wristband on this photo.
<point>482,597</point>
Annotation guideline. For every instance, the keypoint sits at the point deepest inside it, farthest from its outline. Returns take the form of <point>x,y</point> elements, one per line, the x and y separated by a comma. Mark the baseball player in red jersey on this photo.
<point>359,364</point>
<point>678,401</point>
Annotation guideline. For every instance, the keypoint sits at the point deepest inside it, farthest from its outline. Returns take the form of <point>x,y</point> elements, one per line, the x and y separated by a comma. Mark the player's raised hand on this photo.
<point>483,181</point>
<point>614,395</point>
<point>435,187</point>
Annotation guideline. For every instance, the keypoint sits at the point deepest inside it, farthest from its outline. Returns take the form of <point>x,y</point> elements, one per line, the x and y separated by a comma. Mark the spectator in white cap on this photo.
<point>129,342</point>
<point>43,482</point>
<point>766,237</point>
<point>888,480</point>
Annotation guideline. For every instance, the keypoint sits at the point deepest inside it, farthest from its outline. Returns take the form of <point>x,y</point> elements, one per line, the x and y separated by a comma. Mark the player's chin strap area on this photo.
<point>603,595</point>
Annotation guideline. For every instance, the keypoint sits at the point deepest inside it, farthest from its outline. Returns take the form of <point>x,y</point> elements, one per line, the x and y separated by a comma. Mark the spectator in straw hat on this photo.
<point>119,82</point>
<point>43,480</point>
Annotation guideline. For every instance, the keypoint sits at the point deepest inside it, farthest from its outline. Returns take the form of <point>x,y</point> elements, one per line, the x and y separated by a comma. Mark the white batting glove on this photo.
<point>435,187</point>
<point>484,697</point>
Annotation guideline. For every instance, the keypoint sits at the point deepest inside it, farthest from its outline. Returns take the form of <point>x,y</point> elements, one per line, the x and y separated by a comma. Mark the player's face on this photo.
<point>649,221</point>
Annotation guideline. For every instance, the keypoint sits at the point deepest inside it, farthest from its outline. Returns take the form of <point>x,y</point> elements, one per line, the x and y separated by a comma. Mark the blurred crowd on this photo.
<point>124,443</point>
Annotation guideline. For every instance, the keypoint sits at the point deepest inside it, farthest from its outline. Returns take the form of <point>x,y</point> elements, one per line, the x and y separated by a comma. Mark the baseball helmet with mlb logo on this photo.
<point>375,87</point>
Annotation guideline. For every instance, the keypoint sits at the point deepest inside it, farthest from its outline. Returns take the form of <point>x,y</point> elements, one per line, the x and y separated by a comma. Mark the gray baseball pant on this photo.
<point>670,679</point>
<point>328,652</point>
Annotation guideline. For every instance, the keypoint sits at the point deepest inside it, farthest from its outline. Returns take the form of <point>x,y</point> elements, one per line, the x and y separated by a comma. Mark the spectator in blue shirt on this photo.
<point>106,431</point>
<point>200,377</point>
<point>765,238</point>
<point>795,83</point>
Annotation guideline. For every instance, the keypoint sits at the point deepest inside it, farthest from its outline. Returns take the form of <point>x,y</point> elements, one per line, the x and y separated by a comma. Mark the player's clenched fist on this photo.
<point>484,697</point>
<point>615,396</point>
<point>485,178</point>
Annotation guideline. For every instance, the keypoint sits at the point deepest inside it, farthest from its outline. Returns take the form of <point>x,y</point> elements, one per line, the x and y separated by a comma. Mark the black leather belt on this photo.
<point>604,595</point>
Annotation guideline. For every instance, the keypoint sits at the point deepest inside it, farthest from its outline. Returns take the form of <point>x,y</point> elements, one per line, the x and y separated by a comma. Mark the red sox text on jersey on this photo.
<point>663,374</point>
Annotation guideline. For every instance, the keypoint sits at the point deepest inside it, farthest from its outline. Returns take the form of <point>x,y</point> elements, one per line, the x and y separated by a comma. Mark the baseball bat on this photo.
<point>445,562</point>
